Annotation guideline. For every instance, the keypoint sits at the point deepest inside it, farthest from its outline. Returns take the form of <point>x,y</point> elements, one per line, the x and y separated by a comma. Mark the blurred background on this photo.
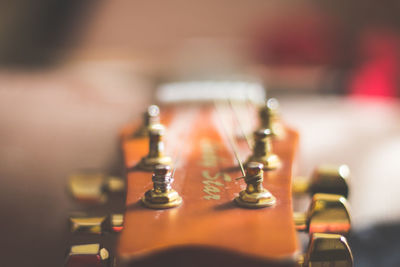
<point>73,72</point>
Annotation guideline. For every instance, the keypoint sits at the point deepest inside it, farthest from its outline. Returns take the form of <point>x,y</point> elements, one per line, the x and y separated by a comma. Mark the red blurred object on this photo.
<point>378,73</point>
<point>117,229</point>
<point>308,36</point>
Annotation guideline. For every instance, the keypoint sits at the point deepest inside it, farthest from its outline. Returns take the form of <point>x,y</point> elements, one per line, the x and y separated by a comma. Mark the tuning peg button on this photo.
<point>329,179</point>
<point>88,255</point>
<point>117,222</point>
<point>92,187</point>
<point>97,225</point>
<point>327,250</point>
<point>327,213</point>
<point>91,225</point>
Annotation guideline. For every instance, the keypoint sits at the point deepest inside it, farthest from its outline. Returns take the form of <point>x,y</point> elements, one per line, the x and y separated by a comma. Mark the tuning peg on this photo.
<point>156,150</point>
<point>255,195</point>
<point>88,255</point>
<point>327,213</point>
<point>327,250</point>
<point>269,118</point>
<point>97,225</point>
<point>162,195</point>
<point>328,179</point>
<point>262,150</point>
<point>92,187</point>
<point>151,117</point>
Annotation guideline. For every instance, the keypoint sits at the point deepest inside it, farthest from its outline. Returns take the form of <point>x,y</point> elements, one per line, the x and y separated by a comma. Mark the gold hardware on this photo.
<point>162,196</point>
<point>97,225</point>
<point>300,221</point>
<point>114,184</point>
<point>117,222</point>
<point>92,187</point>
<point>331,180</point>
<point>150,118</point>
<point>255,195</point>
<point>327,213</point>
<point>87,187</point>
<point>156,150</point>
<point>327,250</point>
<point>88,255</point>
<point>269,116</point>
<point>90,225</point>
<point>328,179</point>
<point>262,150</point>
<point>300,185</point>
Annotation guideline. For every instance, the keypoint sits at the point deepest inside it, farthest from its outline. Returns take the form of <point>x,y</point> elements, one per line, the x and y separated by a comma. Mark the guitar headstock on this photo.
<point>210,183</point>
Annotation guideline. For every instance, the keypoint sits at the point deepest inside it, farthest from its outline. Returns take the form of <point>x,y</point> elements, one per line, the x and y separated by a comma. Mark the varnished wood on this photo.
<point>211,227</point>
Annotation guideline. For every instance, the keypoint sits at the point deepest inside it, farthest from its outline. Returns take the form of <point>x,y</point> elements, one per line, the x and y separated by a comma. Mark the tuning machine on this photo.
<point>327,213</point>
<point>327,220</point>
<point>151,117</point>
<point>255,195</point>
<point>270,127</point>
<point>262,150</point>
<point>162,195</point>
<point>88,255</point>
<point>327,250</point>
<point>96,224</point>
<point>92,187</point>
<point>328,179</point>
<point>156,150</point>
<point>270,118</point>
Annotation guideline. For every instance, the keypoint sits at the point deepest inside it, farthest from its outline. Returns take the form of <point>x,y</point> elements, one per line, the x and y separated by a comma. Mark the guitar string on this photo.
<point>236,116</point>
<point>230,140</point>
<point>179,152</point>
<point>250,108</point>
<point>176,162</point>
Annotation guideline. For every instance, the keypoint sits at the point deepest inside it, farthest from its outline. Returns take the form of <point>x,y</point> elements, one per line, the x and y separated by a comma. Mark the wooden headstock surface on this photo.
<point>208,228</point>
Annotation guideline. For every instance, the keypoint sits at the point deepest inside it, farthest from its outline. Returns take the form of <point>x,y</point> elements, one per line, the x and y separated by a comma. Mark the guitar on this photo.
<point>209,183</point>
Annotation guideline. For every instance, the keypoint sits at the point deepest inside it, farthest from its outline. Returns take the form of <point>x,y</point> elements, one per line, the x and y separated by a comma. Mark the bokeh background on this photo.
<point>73,72</point>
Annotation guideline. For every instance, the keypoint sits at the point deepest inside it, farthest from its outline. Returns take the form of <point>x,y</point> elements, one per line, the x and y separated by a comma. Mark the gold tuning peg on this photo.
<point>255,195</point>
<point>162,195</point>
<point>151,117</point>
<point>328,179</point>
<point>92,187</point>
<point>262,150</point>
<point>156,150</point>
<point>327,213</point>
<point>97,225</point>
<point>86,255</point>
<point>269,118</point>
<point>327,250</point>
